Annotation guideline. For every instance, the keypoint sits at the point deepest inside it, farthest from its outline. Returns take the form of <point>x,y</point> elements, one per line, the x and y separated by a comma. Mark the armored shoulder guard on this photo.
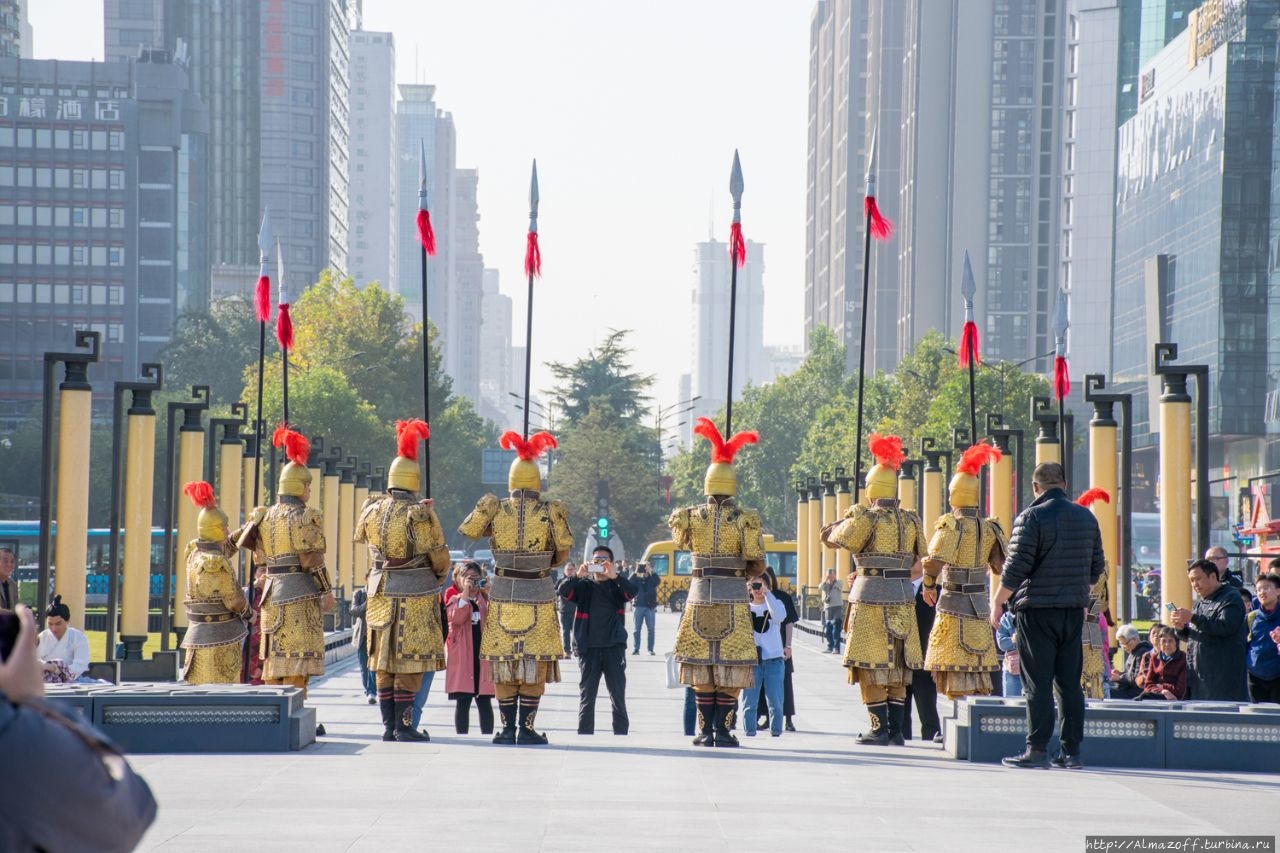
<point>477,523</point>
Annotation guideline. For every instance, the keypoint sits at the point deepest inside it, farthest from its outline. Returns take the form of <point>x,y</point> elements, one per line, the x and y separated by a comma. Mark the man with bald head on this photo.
<point>1218,556</point>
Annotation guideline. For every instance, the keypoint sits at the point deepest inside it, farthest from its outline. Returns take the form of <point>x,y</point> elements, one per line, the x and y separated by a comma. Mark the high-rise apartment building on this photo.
<point>102,213</point>
<point>495,350</point>
<point>374,247</point>
<point>462,335</point>
<point>710,332</point>
<point>15,33</point>
<point>419,123</point>
<point>274,77</point>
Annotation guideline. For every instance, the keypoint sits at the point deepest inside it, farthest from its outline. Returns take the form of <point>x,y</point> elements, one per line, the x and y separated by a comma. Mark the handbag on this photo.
<point>673,672</point>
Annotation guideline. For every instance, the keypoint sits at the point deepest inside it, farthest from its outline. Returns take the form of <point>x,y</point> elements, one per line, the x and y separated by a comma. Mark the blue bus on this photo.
<point>23,539</point>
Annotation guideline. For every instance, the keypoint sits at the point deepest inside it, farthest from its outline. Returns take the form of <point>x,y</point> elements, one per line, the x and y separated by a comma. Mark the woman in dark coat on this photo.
<point>788,692</point>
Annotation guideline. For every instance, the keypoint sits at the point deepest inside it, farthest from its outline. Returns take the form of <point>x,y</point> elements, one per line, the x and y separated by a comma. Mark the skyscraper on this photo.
<point>418,123</point>
<point>495,350</point>
<point>709,338</point>
<point>462,335</point>
<point>15,34</point>
<point>375,162</point>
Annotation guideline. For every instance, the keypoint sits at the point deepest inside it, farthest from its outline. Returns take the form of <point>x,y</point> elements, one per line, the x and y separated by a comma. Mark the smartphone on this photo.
<point>9,626</point>
<point>594,568</point>
<point>1169,605</point>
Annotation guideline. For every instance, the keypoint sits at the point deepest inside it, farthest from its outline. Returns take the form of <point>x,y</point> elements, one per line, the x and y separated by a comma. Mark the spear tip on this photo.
<point>533,188</point>
<point>264,231</point>
<point>968,286</point>
<point>735,179</point>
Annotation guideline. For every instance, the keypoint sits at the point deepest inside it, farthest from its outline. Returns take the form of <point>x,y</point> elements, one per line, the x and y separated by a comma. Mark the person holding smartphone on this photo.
<point>600,634</point>
<point>767,616</point>
<point>466,676</point>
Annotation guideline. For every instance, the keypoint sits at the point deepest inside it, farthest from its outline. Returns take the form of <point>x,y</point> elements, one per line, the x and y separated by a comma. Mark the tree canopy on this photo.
<point>604,374</point>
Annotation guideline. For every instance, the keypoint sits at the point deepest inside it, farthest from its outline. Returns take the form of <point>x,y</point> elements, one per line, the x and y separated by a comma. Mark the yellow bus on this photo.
<point>674,568</point>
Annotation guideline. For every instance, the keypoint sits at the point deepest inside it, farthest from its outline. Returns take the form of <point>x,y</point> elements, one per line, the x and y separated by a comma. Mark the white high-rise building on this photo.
<point>373,250</point>
<point>418,122</point>
<point>710,333</point>
<point>495,349</point>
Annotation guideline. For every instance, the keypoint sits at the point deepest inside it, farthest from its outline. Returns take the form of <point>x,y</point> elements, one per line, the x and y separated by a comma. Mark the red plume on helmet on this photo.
<point>201,494</point>
<point>295,444</point>
<point>887,450</point>
<point>536,445</point>
<point>721,450</point>
<point>408,434</point>
<point>972,460</point>
<point>1091,495</point>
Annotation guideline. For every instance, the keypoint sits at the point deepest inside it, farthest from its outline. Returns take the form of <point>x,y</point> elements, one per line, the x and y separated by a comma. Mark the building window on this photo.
<point>77,256</point>
<point>97,258</point>
<point>99,179</point>
<point>44,255</point>
<point>115,296</point>
<point>61,217</point>
<point>79,139</point>
<point>44,137</point>
<point>25,254</point>
<point>115,217</point>
<point>115,256</point>
<point>6,137</point>
<point>44,216</point>
<point>25,137</point>
<point>24,293</point>
<point>115,179</point>
<point>26,215</point>
<point>26,176</point>
<point>98,217</point>
<point>6,253</point>
<point>44,294</point>
<point>79,179</point>
<point>99,140</point>
<point>79,294</point>
<point>62,139</point>
<point>115,140</point>
<point>98,294</point>
<point>44,178</point>
<point>6,214</point>
<point>6,176</point>
<point>61,255</point>
<point>62,178</point>
<point>6,291</point>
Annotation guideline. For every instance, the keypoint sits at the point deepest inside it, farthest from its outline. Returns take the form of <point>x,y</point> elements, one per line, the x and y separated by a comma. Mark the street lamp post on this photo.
<point>660,416</point>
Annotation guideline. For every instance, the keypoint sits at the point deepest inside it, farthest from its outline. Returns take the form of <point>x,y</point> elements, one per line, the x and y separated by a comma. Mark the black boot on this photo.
<point>526,734</point>
<point>896,709</point>
<point>879,734</point>
<point>726,711</point>
<point>387,705</point>
<point>507,710</point>
<point>404,722</point>
<point>706,705</point>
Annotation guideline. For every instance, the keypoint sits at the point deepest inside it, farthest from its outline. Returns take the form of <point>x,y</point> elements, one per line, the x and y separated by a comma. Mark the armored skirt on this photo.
<point>521,637</point>
<point>214,641</point>
<point>883,644</point>
<point>292,627</point>
<point>1093,675</point>
<point>714,643</point>
<point>403,621</point>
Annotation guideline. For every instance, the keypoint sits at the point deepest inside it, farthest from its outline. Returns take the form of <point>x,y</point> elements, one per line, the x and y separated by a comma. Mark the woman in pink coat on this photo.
<point>466,676</point>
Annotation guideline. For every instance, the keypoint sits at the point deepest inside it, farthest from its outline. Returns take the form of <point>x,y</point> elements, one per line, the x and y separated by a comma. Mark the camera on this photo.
<point>757,585</point>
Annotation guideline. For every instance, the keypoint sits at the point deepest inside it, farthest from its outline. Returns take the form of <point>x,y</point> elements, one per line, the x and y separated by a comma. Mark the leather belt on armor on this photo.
<point>888,574</point>
<point>284,565</point>
<point>209,547</point>
<point>890,566</point>
<point>391,565</point>
<point>522,574</point>
<point>966,588</point>
<point>718,567</point>
<point>211,617</point>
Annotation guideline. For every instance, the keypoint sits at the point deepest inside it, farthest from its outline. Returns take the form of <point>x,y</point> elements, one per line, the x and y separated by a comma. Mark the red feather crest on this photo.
<point>408,434</point>
<point>295,444</point>
<point>201,494</point>
<point>887,449</point>
<point>537,444</point>
<point>721,450</point>
<point>1091,495</point>
<point>972,460</point>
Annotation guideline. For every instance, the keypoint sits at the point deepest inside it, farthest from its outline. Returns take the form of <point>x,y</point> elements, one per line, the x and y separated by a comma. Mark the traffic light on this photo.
<point>602,511</point>
<point>602,529</point>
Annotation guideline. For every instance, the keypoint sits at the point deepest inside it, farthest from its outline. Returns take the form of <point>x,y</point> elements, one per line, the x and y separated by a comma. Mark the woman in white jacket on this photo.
<point>767,615</point>
<point>63,650</point>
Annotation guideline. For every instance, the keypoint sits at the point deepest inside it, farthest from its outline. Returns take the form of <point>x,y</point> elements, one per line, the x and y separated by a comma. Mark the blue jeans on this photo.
<point>1012,684</point>
<point>367,676</point>
<point>421,698</point>
<point>831,632</point>
<point>643,616</point>
<point>769,673</point>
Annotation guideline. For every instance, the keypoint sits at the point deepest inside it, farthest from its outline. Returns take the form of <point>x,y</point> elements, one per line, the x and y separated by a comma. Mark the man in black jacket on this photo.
<point>646,604</point>
<point>1216,636</point>
<point>600,634</point>
<point>1055,556</point>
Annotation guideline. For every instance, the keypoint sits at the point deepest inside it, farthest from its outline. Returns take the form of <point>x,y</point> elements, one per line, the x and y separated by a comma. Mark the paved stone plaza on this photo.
<point>652,790</point>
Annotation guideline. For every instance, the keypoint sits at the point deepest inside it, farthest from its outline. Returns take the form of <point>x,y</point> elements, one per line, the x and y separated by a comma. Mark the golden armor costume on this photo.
<point>521,632</point>
<point>288,538</point>
<point>408,560</point>
<point>883,643</point>
<point>1093,675</point>
<point>715,646</point>
<point>215,604</point>
<point>965,547</point>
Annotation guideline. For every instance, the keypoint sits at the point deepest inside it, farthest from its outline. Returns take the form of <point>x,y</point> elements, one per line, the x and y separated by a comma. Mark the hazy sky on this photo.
<point>633,111</point>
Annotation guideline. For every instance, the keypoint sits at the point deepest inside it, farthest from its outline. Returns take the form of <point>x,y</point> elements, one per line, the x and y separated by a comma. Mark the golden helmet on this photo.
<point>882,479</point>
<point>524,474</point>
<point>295,476</point>
<point>211,524</point>
<point>403,473</point>
<point>964,485</point>
<point>721,479</point>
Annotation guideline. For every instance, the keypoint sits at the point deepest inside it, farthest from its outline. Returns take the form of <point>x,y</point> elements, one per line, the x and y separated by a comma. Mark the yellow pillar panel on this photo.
<point>249,502</point>
<point>1002,492</point>
<point>1047,451</point>
<point>1175,504</point>
<point>844,500</point>
<point>72,541</point>
<point>361,551</point>
<point>229,485</point>
<point>1103,475</point>
<point>815,538</point>
<point>802,542</point>
<point>140,464</point>
<point>931,493</point>
<point>346,529</point>
<point>317,493</point>
<point>828,516</point>
<point>330,509</point>
<point>907,493</point>
<point>190,467</point>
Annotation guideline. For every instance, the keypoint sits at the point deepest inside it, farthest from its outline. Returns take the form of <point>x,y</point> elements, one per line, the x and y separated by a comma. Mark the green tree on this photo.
<point>213,349</point>
<point>458,439</point>
<point>604,373</point>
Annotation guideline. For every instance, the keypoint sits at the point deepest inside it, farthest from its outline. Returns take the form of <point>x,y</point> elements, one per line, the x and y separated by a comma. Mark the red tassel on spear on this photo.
<point>881,228</point>
<point>1061,378</point>
<point>426,236</point>
<point>284,323</point>
<point>737,244</point>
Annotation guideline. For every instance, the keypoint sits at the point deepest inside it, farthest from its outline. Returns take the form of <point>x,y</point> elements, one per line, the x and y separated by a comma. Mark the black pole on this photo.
<point>426,380</point>
<point>862,353</point>
<point>733,317</point>
<point>284,388</point>
<point>528,355</point>
<point>973,394</point>
<point>257,424</point>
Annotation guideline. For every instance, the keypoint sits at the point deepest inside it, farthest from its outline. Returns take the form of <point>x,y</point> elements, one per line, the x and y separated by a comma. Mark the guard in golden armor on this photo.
<point>883,638</point>
<point>521,634</point>
<point>715,646</point>
<point>1093,675</point>
<point>288,539</point>
<point>408,559</point>
<point>215,604</point>
<point>965,546</point>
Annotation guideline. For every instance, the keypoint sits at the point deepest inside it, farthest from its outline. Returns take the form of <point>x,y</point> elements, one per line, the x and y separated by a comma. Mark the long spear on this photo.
<point>532,269</point>
<point>284,329</point>
<point>737,258</point>
<point>880,228</point>
<point>1061,375</point>
<point>969,344</point>
<point>262,307</point>
<point>427,237</point>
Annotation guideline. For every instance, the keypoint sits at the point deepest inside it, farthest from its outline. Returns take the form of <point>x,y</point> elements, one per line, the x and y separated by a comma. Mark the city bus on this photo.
<point>674,568</point>
<point>23,538</point>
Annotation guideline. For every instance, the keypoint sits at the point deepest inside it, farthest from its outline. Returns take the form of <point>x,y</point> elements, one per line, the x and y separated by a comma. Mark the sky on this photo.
<point>633,111</point>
